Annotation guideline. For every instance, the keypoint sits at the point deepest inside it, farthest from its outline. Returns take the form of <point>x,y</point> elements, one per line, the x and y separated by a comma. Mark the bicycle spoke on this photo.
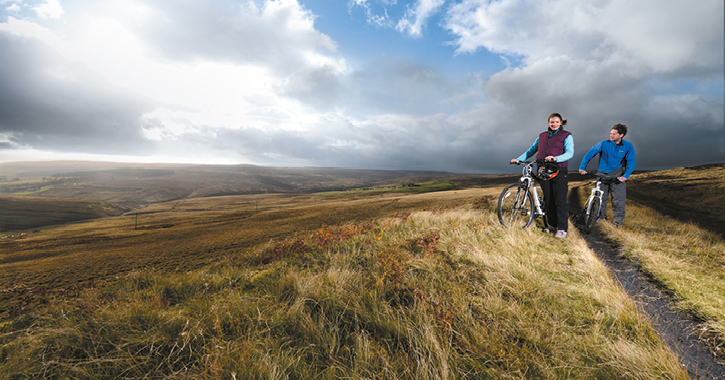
<point>515,207</point>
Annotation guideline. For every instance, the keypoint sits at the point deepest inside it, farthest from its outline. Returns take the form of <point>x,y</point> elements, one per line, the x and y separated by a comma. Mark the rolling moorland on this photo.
<point>178,273</point>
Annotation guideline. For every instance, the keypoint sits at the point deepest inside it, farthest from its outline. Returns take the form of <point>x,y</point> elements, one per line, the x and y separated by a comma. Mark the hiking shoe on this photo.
<point>560,234</point>
<point>547,230</point>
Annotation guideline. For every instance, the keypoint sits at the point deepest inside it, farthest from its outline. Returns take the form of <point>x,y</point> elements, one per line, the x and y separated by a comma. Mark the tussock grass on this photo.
<point>439,294</point>
<point>674,232</point>
<point>686,260</point>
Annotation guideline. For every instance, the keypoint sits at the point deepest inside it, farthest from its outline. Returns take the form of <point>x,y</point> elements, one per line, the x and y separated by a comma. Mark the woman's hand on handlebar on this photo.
<point>515,161</point>
<point>582,172</point>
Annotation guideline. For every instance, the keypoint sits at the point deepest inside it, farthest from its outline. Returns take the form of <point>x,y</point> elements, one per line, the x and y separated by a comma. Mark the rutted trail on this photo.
<point>677,330</point>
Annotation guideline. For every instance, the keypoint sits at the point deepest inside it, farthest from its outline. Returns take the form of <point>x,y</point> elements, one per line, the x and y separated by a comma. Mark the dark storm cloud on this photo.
<point>48,102</point>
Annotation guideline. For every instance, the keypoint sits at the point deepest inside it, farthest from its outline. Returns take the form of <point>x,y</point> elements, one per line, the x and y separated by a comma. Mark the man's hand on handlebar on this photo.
<point>582,172</point>
<point>515,161</point>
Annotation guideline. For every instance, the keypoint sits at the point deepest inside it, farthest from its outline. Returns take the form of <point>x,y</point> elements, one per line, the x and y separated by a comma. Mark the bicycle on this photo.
<point>594,202</point>
<point>519,203</point>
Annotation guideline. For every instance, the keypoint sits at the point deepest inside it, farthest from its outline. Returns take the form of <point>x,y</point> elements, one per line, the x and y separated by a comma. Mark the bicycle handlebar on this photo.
<point>538,160</point>
<point>601,178</point>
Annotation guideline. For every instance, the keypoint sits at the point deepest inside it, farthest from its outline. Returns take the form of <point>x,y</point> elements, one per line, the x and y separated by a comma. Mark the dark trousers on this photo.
<point>555,197</point>
<point>619,197</point>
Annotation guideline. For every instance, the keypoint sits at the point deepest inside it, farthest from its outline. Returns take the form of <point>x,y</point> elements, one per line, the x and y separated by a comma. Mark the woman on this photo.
<point>554,145</point>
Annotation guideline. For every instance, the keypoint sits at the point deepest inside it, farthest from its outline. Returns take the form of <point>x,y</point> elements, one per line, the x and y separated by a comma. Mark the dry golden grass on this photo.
<point>350,285</point>
<point>695,194</point>
<point>183,235</point>
<point>443,293</point>
<point>676,237</point>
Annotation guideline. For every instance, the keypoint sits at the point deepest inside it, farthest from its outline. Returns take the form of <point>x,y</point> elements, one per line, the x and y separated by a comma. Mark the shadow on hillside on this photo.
<point>711,222</point>
<point>576,207</point>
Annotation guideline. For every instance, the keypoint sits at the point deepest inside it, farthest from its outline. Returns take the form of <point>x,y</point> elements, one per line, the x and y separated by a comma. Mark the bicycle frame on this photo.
<point>519,203</point>
<point>529,183</point>
<point>597,192</point>
<point>594,202</point>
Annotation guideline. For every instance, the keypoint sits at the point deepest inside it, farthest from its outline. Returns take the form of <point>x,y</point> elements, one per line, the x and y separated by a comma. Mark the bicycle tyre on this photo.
<point>592,214</point>
<point>515,207</point>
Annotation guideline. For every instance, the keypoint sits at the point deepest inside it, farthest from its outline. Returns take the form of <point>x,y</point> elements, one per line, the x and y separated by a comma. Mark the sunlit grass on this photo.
<point>684,259</point>
<point>439,294</point>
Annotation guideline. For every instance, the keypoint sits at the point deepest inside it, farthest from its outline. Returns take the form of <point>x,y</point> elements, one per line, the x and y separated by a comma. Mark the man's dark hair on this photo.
<point>563,121</point>
<point>621,128</point>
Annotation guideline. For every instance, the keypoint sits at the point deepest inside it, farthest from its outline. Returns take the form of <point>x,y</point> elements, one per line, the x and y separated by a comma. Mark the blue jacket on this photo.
<point>566,156</point>
<point>613,157</point>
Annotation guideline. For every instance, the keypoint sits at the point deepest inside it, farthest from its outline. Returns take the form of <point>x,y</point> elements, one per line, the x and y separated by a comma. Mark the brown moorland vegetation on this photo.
<point>675,233</point>
<point>133,185</point>
<point>180,236</point>
<point>694,194</point>
<point>443,292</point>
<point>22,212</point>
<point>346,284</point>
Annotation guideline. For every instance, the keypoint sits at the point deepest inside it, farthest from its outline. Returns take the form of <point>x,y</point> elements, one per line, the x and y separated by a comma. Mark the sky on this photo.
<point>460,86</point>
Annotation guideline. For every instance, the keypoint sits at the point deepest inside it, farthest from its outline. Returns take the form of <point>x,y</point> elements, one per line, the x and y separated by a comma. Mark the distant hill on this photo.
<point>22,212</point>
<point>132,185</point>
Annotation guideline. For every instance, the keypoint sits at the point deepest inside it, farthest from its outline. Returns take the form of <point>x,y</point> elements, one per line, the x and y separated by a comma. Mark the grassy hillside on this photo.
<point>695,194</point>
<point>360,284</point>
<point>123,187</point>
<point>133,185</point>
<point>22,213</point>
<point>180,236</point>
<point>438,294</point>
<point>675,231</point>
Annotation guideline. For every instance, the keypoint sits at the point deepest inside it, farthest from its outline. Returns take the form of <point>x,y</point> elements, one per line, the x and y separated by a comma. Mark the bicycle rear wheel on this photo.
<point>515,207</point>
<point>592,214</point>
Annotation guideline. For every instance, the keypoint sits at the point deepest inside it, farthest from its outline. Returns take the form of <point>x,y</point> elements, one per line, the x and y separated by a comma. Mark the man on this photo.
<point>617,161</point>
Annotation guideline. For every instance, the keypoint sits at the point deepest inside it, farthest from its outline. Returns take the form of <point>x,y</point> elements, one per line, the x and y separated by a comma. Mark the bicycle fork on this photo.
<point>596,193</point>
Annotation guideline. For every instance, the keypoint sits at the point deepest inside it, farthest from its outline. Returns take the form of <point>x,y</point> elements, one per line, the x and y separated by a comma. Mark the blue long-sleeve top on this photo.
<point>566,156</point>
<point>613,157</point>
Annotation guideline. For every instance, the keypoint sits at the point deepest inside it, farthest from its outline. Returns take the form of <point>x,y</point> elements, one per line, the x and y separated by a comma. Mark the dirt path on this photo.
<point>676,329</point>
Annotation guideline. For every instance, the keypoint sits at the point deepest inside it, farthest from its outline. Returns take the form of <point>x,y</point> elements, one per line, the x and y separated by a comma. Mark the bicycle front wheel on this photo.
<point>515,207</point>
<point>592,214</point>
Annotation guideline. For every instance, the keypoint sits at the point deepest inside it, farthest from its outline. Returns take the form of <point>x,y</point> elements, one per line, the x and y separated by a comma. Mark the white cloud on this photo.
<point>256,81</point>
<point>50,9</point>
<point>416,17</point>
<point>377,19</point>
<point>661,36</point>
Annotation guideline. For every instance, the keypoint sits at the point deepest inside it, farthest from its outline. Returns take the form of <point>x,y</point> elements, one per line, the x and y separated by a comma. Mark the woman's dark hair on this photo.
<point>621,128</point>
<point>563,121</point>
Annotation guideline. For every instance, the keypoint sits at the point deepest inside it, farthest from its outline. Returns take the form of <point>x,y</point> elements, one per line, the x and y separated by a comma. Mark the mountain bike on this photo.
<point>594,202</point>
<point>519,203</point>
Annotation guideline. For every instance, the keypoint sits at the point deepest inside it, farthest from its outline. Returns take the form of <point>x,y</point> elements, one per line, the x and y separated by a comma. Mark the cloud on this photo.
<point>662,37</point>
<point>50,9</point>
<point>415,17</point>
<point>51,102</point>
<point>279,34</point>
<point>256,82</point>
<point>378,20</point>
<point>595,62</point>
